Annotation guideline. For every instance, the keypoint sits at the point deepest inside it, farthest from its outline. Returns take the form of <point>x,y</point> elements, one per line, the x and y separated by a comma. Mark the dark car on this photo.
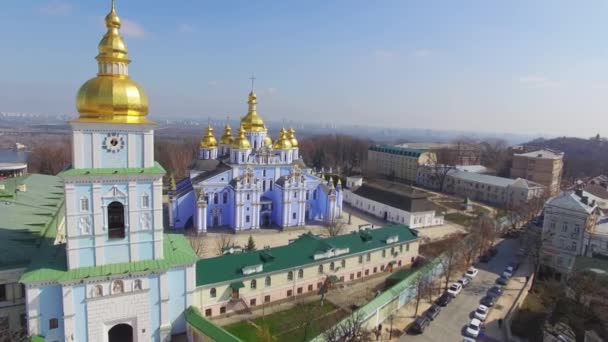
<point>502,281</point>
<point>514,264</point>
<point>433,311</point>
<point>444,300</point>
<point>495,291</point>
<point>420,324</point>
<point>488,301</point>
<point>485,258</point>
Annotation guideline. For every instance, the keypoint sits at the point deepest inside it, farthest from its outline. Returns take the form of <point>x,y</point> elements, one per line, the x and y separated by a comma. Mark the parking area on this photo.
<point>451,322</point>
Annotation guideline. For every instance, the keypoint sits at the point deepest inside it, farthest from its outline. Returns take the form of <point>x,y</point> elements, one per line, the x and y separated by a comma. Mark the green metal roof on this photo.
<point>28,219</point>
<point>200,323</point>
<point>157,169</point>
<point>297,254</point>
<point>50,265</point>
<point>402,151</point>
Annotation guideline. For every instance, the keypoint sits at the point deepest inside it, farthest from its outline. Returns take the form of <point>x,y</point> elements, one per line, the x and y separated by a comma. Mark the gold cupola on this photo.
<point>252,122</point>
<point>282,142</point>
<point>241,142</point>
<point>227,138</point>
<point>291,135</point>
<point>111,96</point>
<point>267,140</point>
<point>209,140</point>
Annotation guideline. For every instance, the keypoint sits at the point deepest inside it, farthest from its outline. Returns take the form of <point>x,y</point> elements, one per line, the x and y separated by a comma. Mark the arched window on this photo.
<point>116,220</point>
<point>225,199</point>
<point>145,201</point>
<point>254,284</point>
<point>290,275</point>
<point>97,291</point>
<point>268,281</point>
<point>320,269</point>
<point>215,198</point>
<point>332,266</point>
<point>213,292</point>
<point>118,287</point>
<point>343,263</point>
<point>301,273</point>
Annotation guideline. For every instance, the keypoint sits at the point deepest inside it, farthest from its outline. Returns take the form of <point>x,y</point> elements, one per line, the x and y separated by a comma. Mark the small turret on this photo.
<point>208,146</point>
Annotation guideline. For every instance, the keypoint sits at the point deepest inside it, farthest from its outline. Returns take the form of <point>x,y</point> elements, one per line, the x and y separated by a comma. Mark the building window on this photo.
<point>84,204</point>
<point>343,263</point>
<point>271,184</point>
<point>53,323</point>
<point>314,195</point>
<point>352,276</point>
<point>222,310</point>
<point>267,299</point>
<point>247,218</point>
<point>293,216</point>
<point>216,199</point>
<point>565,227</point>
<point>116,220</point>
<point>225,197</point>
<point>320,269</point>
<point>552,224</point>
<point>300,290</point>
<point>577,228</point>
<point>400,248</point>
<point>213,292</point>
<point>145,201</point>
<point>252,302</point>
<point>208,312</point>
<point>264,173</point>
<point>359,274</point>
<point>366,272</point>
<point>369,256</point>
<point>290,275</point>
<point>574,245</point>
<point>307,195</point>
<point>268,281</point>
<point>2,292</point>
<point>407,247</point>
<point>264,185</point>
<point>253,285</point>
<point>295,194</point>
<point>384,253</point>
<point>300,273</point>
<point>289,293</point>
<point>309,287</point>
<point>360,259</point>
<point>332,266</point>
<point>375,269</point>
<point>248,197</point>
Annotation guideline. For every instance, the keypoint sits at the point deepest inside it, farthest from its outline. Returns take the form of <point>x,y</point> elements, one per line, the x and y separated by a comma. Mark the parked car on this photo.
<point>455,289</point>
<point>502,281</point>
<point>444,300</point>
<point>493,251</point>
<point>482,312</point>
<point>488,301</point>
<point>485,258</point>
<point>433,311</point>
<point>495,291</point>
<point>472,272</point>
<point>474,328</point>
<point>468,339</point>
<point>464,281</point>
<point>420,324</point>
<point>514,265</point>
<point>507,274</point>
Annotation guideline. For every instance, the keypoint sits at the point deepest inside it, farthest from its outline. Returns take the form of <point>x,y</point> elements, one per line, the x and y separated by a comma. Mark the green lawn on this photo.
<point>460,219</point>
<point>291,322</point>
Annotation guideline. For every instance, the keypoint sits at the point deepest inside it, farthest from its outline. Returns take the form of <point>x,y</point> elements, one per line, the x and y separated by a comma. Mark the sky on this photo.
<point>527,66</point>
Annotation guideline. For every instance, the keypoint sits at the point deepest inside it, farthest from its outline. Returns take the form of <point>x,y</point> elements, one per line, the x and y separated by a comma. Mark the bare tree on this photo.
<point>222,242</point>
<point>496,155</point>
<point>335,228</point>
<point>449,261</point>
<point>349,330</point>
<point>422,286</point>
<point>50,158</point>
<point>196,242</point>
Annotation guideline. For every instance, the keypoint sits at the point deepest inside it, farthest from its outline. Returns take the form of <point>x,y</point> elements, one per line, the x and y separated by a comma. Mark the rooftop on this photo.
<point>411,202</point>
<point>12,166</point>
<point>543,154</point>
<point>157,169</point>
<point>297,254</point>
<point>574,200</point>
<point>403,151</point>
<point>481,178</point>
<point>29,217</point>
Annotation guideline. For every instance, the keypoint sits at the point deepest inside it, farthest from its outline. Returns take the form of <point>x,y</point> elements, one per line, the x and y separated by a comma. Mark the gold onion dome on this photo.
<point>282,142</point>
<point>241,142</point>
<point>209,140</point>
<point>252,122</point>
<point>111,96</point>
<point>227,138</point>
<point>267,140</point>
<point>292,138</point>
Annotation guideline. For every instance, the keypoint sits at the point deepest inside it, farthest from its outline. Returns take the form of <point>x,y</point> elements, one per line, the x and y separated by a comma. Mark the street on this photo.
<point>452,320</point>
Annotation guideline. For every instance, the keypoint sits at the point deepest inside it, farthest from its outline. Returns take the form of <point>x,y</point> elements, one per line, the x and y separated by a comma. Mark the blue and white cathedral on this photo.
<point>247,181</point>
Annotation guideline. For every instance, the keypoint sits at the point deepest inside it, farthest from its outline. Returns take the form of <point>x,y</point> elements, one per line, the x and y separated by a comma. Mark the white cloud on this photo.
<point>536,81</point>
<point>132,29</point>
<point>185,28</point>
<point>57,8</point>
<point>421,52</point>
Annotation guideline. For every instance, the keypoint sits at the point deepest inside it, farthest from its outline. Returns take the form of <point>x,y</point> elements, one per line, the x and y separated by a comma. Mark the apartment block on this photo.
<point>542,166</point>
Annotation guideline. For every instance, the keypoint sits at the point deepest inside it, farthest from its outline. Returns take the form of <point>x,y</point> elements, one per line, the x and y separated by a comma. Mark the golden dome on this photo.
<point>282,142</point>
<point>227,138</point>
<point>241,142</point>
<point>291,135</point>
<point>252,122</point>
<point>268,141</point>
<point>208,140</point>
<point>112,97</point>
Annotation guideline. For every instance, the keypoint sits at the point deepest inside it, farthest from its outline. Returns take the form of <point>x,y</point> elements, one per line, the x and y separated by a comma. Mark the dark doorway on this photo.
<point>385,215</point>
<point>216,221</point>
<point>116,220</point>
<point>307,215</point>
<point>120,333</point>
<point>266,220</point>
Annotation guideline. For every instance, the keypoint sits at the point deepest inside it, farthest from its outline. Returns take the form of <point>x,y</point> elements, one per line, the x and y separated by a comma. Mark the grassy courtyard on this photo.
<point>303,322</point>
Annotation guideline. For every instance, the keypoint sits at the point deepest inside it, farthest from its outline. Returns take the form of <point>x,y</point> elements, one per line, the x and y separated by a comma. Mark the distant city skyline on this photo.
<point>516,67</point>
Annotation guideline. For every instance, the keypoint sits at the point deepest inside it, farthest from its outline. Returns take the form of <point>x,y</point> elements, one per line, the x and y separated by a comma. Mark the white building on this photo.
<point>413,209</point>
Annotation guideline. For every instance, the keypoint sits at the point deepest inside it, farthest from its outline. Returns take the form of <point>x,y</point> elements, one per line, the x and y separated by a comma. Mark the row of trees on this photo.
<point>344,153</point>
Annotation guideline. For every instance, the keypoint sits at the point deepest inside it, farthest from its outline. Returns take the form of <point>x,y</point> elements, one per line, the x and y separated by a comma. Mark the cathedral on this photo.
<point>247,181</point>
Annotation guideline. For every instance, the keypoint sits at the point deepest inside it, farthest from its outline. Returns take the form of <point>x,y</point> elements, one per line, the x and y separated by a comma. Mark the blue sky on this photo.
<point>514,66</point>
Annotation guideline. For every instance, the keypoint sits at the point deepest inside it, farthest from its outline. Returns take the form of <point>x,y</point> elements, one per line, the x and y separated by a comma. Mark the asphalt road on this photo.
<point>452,320</point>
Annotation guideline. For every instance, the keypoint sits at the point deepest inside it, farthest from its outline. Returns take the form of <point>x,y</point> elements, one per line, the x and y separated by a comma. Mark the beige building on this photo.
<point>543,166</point>
<point>397,162</point>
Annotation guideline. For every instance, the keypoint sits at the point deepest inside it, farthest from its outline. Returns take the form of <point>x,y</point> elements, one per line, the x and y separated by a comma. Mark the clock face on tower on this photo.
<point>113,143</point>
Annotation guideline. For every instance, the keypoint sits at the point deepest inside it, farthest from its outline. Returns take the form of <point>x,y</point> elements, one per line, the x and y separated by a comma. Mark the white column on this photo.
<point>190,285</point>
<point>201,217</point>
<point>134,227</point>
<point>96,150</point>
<point>131,150</point>
<point>157,224</point>
<point>33,310</point>
<point>148,148</point>
<point>165,324</point>
<point>68,313</point>
<point>98,224</point>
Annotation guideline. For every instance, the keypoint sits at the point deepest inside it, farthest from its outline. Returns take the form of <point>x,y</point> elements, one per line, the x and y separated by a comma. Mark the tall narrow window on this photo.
<point>145,201</point>
<point>320,269</point>
<point>84,204</point>
<point>212,292</point>
<point>307,195</point>
<point>270,185</point>
<point>225,197</point>
<point>300,273</point>
<point>116,220</point>
<point>264,185</point>
<point>268,281</point>
<point>290,275</point>
<point>215,198</point>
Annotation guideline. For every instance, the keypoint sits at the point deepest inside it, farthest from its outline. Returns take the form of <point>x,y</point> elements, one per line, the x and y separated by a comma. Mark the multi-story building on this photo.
<point>396,162</point>
<point>458,153</point>
<point>543,166</point>
<point>598,187</point>
<point>242,281</point>
<point>410,208</point>
<point>568,218</point>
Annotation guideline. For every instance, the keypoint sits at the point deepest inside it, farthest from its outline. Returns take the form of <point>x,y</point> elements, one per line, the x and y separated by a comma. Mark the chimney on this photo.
<point>584,199</point>
<point>579,193</point>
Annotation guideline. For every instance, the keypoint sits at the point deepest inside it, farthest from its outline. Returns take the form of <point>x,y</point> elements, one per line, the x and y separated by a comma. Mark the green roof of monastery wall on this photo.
<point>50,264</point>
<point>200,323</point>
<point>157,169</point>
<point>28,219</point>
<point>297,254</point>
